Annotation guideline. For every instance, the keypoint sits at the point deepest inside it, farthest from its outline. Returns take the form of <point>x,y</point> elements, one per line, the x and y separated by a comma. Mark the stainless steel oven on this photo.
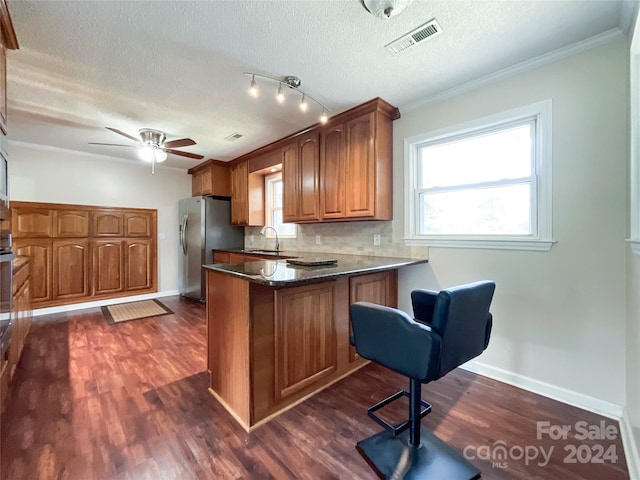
<point>6,274</point>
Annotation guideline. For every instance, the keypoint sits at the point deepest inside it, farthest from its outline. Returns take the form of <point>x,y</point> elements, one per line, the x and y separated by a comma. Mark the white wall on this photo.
<point>633,346</point>
<point>59,176</point>
<point>559,316</point>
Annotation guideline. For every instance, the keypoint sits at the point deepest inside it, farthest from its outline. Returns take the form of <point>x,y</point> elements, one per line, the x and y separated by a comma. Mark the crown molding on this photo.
<point>579,47</point>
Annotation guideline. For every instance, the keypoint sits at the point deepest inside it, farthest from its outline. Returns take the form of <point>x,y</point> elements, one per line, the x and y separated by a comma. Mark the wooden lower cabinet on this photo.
<point>271,347</point>
<point>70,268</point>
<point>107,266</point>
<point>81,252</point>
<point>21,313</point>
<point>305,336</point>
<point>40,253</point>
<point>138,265</point>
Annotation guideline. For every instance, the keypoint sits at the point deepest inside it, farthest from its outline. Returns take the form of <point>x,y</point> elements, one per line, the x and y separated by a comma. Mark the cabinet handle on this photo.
<point>183,229</point>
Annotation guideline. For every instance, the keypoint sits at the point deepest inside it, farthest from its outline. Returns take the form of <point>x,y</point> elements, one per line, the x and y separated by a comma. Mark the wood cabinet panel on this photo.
<point>138,224</point>
<point>70,223</point>
<point>332,173</point>
<point>107,266</point>
<point>305,336</point>
<point>290,182</point>
<point>40,253</point>
<point>309,192</point>
<point>210,178</point>
<point>380,288</point>
<point>138,265</point>
<point>107,224</point>
<point>78,251</point>
<point>240,194</point>
<point>221,257</point>
<point>31,222</point>
<point>70,268</point>
<point>360,167</point>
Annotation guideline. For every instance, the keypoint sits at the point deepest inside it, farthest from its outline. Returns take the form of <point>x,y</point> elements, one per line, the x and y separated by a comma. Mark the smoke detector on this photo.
<point>385,8</point>
<point>414,37</point>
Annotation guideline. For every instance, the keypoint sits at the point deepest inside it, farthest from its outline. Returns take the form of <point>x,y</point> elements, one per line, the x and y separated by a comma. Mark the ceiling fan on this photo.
<point>152,145</point>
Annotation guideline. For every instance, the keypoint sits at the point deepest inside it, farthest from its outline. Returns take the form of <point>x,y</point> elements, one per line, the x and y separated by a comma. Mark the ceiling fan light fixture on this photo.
<point>386,9</point>
<point>323,117</point>
<point>303,103</point>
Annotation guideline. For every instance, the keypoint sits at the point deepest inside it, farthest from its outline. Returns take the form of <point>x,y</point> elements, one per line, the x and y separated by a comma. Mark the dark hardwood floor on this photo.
<point>97,401</point>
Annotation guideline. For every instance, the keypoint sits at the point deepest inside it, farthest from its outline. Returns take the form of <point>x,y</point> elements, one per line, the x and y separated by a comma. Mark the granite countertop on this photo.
<point>278,273</point>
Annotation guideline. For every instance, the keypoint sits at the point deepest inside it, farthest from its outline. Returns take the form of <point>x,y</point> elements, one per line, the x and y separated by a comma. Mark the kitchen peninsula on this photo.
<point>279,332</point>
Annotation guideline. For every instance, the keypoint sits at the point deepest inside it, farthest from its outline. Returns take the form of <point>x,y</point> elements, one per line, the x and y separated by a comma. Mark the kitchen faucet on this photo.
<point>264,229</point>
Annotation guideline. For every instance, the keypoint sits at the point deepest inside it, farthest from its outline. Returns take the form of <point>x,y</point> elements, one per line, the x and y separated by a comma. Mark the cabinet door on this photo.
<point>290,183</point>
<point>375,288</point>
<point>138,265</point>
<point>196,184</point>
<point>108,262</point>
<point>70,268</point>
<point>332,174</point>
<point>305,336</point>
<point>39,251</point>
<point>309,164</point>
<point>70,223</point>
<point>107,224</point>
<point>31,222</point>
<point>240,194</point>
<point>138,224</point>
<point>221,257</point>
<point>360,167</point>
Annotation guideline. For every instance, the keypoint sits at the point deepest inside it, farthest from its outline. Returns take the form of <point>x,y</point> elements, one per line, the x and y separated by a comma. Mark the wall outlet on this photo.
<point>318,240</point>
<point>376,240</point>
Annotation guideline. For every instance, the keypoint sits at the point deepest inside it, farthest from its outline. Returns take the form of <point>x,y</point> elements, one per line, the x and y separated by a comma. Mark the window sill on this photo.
<point>635,245</point>
<point>491,244</point>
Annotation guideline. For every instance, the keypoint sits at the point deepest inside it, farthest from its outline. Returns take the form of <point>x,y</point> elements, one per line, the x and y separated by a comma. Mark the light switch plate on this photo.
<point>376,240</point>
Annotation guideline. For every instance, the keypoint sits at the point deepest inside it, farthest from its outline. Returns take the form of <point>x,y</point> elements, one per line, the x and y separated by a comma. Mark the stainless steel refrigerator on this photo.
<point>205,225</point>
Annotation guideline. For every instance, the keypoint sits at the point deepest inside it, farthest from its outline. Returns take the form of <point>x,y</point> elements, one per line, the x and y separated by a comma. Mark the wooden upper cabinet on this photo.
<point>290,182</point>
<point>31,222</point>
<point>211,178</point>
<point>332,173</point>
<point>70,223</point>
<point>107,224</point>
<point>70,268</point>
<point>309,196</point>
<point>138,224</point>
<point>240,194</point>
<point>360,161</point>
<point>8,40</point>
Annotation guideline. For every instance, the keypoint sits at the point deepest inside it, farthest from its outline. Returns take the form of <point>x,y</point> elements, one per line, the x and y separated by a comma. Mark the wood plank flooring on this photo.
<point>129,401</point>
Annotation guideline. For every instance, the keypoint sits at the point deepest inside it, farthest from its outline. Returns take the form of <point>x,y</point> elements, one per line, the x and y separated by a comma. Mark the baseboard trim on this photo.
<point>631,451</point>
<point>101,303</point>
<point>570,397</point>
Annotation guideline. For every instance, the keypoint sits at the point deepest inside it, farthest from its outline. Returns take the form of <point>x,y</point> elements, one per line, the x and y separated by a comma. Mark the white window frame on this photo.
<point>541,238</point>
<point>268,201</point>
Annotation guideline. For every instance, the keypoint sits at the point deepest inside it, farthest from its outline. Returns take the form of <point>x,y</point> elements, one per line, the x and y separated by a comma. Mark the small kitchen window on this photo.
<point>273,207</point>
<point>485,184</point>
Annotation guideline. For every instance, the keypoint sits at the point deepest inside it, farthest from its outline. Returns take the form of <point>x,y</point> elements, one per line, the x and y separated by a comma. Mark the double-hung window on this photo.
<point>485,184</point>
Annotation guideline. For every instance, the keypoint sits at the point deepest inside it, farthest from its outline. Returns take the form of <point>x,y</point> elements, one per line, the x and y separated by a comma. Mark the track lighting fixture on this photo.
<point>293,83</point>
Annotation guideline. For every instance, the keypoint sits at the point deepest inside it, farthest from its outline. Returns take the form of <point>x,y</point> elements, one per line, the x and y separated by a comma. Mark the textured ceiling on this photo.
<point>178,66</point>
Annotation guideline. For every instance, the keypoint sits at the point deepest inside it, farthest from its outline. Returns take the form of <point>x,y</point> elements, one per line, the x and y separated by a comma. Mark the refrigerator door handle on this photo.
<point>183,233</point>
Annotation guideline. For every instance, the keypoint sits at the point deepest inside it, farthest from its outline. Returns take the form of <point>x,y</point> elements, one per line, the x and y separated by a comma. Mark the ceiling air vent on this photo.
<point>233,137</point>
<point>413,38</point>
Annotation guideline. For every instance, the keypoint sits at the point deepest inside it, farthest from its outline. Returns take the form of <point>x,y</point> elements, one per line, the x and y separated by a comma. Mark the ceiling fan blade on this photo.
<point>183,142</point>
<point>115,130</point>
<point>114,145</point>
<point>184,154</point>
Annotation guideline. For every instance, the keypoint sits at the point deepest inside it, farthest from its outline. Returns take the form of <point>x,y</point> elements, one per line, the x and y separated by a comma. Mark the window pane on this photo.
<point>283,229</point>
<point>493,156</point>
<point>481,211</point>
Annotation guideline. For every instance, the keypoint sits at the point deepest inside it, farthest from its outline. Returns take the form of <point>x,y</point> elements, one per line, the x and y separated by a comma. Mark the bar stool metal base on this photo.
<point>434,459</point>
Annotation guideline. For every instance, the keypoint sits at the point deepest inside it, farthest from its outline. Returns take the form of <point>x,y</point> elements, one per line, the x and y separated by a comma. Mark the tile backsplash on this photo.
<point>340,237</point>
